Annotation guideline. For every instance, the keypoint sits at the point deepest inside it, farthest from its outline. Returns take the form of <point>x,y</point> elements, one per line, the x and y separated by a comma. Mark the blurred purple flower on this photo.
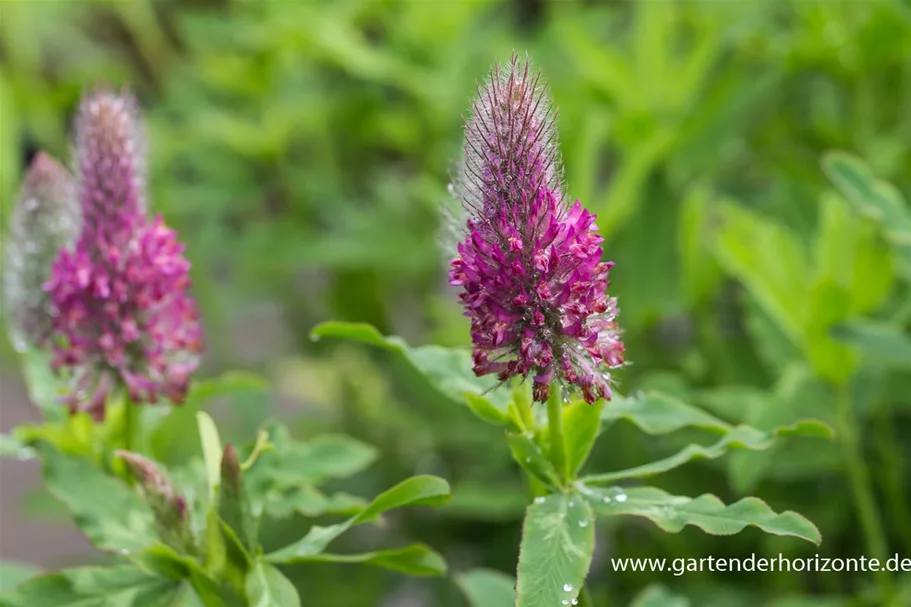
<point>529,264</point>
<point>44,221</point>
<point>123,316</point>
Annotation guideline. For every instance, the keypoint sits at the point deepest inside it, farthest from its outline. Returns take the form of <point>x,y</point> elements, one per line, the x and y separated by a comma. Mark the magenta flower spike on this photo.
<point>123,317</point>
<point>44,221</point>
<point>529,264</point>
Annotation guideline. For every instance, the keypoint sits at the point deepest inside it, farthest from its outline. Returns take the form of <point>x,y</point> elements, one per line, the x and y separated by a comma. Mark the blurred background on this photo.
<point>303,149</point>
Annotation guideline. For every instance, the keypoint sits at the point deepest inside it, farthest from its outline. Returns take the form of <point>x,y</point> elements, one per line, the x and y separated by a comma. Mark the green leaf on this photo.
<point>267,587</point>
<point>870,196</point>
<point>44,389</point>
<point>487,411</point>
<point>672,513</point>
<point>13,574</point>
<point>874,199</point>
<point>528,454</point>
<point>415,491</point>
<point>310,501</point>
<point>741,437</point>
<point>325,457</point>
<point>211,450</point>
<point>120,522</point>
<point>487,588</point>
<point>416,559</point>
<point>558,539</point>
<point>226,384</point>
<point>769,260</point>
<point>447,369</point>
<point>883,343</point>
<point>12,447</point>
<point>120,586</point>
<point>656,413</point>
<point>582,424</point>
<point>656,595</point>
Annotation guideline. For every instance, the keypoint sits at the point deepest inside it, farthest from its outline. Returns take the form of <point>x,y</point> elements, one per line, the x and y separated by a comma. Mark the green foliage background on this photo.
<point>303,149</point>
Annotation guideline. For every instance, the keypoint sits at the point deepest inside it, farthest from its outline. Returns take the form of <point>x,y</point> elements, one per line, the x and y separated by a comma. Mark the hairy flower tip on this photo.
<point>122,313</point>
<point>44,220</point>
<point>529,264</point>
<point>109,151</point>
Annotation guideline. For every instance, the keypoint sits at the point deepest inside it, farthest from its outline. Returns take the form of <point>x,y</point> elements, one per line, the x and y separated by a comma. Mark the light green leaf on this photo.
<point>741,437</point>
<point>672,513</point>
<point>769,260</point>
<point>120,586</point>
<point>487,588</point>
<point>875,199</point>
<point>487,411</point>
<point>656,595</point>
<point>870,196</point>
<point>558,539</point>
<point>582,424</point>
<point>656,413</point>
<point>416,559</point>
<point>324,457</point>
<point>226,384</point>
<point>267,587</point>
<point>211,450</point>
<point>120,522</point>
<point>881,342</point>
<point>11,447</point>
<point>310,501</point>
<point>415,491</point>
<point>44,388</point>
<point>528,455</point>
<point>447,369</point>
<point>13,574</point>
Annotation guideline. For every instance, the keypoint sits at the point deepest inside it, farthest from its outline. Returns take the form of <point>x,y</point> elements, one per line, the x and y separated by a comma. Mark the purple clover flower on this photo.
<point>122,313</point>
<point>529,264</point>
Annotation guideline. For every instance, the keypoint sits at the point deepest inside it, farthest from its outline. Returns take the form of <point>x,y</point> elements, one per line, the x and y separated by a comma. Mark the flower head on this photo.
<point>44,221</point>
<point>529,264</point>
<point>123,316</point>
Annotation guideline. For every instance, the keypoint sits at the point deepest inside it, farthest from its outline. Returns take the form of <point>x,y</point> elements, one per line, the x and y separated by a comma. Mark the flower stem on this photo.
<point>555,429</point>
<point>861,486</point>
<point>130,411</point>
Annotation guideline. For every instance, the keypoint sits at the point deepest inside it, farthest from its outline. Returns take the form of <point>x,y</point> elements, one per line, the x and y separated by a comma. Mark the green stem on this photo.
<point>861,486</point>
<point>555,429</point>
<point>585,598</point>
<point>130,411</point>
<point>892,471</point>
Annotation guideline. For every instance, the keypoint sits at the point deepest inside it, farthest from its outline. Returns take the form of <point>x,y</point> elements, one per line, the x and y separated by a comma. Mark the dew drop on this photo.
<point>567,587</point>
<point>540,499</point>
<point>583,523</point>
<point>564,602</point>
<point>451,188</point>
<point>574,602</point>
<point>621,498</point>
<point>607,499</point>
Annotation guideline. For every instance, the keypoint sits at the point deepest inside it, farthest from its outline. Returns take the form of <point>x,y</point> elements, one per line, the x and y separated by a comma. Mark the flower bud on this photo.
<point>168,508</point>
<point>233,505</point>
<point>44,220</point>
